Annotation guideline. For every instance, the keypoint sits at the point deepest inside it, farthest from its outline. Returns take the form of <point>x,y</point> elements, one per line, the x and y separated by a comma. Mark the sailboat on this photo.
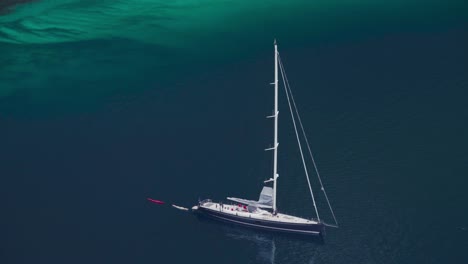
<point>263,213</point>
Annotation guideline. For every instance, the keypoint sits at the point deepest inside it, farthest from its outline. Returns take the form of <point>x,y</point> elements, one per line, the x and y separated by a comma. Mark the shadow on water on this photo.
<point>7,6</point>
<point>271,247</point>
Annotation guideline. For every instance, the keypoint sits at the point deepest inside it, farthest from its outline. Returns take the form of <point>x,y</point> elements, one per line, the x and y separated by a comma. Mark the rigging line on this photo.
<point>298,140</point>
<point>307,141</point>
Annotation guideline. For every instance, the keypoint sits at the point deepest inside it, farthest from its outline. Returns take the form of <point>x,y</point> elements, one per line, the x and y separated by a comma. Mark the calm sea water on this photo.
<point>103,105</point>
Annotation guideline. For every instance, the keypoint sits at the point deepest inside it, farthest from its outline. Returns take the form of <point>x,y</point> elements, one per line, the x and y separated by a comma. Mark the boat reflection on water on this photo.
<point>266,245</point>
<point>272,247</point>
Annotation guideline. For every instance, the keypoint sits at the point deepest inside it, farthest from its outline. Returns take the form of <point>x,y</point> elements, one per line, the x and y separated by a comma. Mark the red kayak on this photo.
<point>155,201</point>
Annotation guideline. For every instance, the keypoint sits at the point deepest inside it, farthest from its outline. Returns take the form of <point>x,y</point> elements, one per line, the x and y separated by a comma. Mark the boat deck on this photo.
<point>257,214</point>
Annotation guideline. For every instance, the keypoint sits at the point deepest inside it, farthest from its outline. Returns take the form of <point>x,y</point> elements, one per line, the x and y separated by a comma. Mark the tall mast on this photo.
<point>275,155</point>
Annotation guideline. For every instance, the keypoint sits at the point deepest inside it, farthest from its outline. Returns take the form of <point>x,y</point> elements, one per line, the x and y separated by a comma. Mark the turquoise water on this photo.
<point>180,33</point>
<point>105,104</point>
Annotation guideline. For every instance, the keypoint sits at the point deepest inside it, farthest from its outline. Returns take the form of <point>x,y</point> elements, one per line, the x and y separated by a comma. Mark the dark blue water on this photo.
<point>92,127</point>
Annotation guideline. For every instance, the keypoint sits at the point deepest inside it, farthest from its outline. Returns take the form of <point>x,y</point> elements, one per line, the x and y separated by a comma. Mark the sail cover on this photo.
<point>264,201</point>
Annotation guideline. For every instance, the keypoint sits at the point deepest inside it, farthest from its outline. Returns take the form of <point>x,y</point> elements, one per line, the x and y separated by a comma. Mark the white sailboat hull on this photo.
<point>260,219</point>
